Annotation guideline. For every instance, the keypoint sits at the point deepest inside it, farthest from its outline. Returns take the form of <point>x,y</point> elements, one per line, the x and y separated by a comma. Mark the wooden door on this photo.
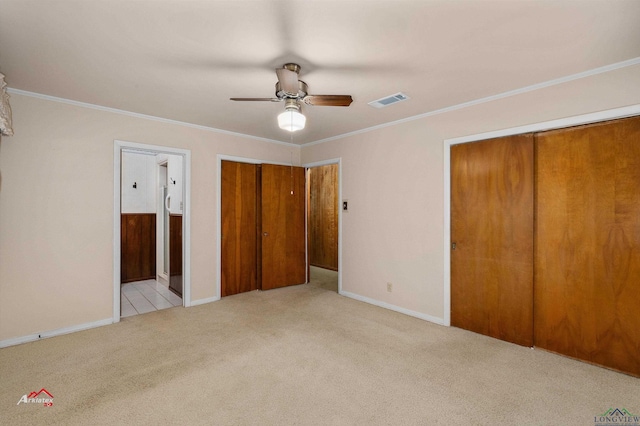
<point>492,229</point>
<point>587,255</point>
<point>283,226</point>
<point>323,216</point>
<point>239,219</point>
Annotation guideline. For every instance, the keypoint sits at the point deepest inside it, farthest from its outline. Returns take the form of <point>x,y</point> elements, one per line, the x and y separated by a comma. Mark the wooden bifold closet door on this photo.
<point>551,259</point>
<point>239,210</point>
<point>284,261</point>
<point>263,227</point>
<point>587,257</point>
<point>492,238</point>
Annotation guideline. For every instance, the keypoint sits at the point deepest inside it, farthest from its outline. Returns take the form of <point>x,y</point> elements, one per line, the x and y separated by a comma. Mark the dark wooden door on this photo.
<point>283,226</point>
<point>239,228</point>
<point>587,255</point>
<point>492,229</point>
<point>323,216</point>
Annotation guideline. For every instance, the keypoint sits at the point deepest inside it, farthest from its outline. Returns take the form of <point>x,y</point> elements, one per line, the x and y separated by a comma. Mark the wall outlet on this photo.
<point>389,287</point>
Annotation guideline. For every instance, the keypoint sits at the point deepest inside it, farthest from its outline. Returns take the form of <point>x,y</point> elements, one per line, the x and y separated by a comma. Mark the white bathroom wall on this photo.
<point>138,183</point>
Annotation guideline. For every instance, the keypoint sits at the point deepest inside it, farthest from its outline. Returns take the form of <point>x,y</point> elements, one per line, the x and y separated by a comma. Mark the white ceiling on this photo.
<point>183,60</point>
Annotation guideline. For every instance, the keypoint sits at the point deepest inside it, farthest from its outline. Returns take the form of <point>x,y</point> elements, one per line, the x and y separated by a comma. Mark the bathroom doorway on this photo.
<point>151,199</point>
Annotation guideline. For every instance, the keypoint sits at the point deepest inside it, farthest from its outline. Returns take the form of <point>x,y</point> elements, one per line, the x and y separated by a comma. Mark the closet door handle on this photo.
<point>166,202</point>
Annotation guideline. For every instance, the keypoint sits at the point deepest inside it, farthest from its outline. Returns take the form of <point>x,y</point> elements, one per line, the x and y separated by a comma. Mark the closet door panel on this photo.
<point>239,228</point>
<point>587,255</point>
<point>284,260</point>
<point>492,229</point>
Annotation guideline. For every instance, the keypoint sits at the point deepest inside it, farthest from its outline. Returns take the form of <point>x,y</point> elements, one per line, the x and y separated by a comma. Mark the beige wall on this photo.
<point>393,178</point>
<point>56,209</point>
<point>56,199</point>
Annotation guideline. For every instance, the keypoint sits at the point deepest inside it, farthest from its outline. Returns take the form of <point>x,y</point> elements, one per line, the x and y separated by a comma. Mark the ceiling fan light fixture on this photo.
<point>291,119</point>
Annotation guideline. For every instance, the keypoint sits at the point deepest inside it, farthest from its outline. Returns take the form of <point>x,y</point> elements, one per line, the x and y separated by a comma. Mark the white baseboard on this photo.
<point>66,330</point>
<point>51,333</point>
<point>436,320</point>
<point>203,301</point>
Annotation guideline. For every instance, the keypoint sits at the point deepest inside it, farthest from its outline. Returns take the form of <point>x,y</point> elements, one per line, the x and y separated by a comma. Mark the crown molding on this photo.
<point>142,116</point>
<point>589,73</point>
<point>515,92</point>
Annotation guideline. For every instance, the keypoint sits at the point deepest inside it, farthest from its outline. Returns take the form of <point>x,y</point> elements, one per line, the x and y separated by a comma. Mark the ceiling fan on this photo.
<point>292,90</point>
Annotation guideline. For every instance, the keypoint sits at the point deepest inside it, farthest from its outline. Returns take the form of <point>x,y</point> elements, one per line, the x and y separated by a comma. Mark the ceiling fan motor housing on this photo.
<point>292,67</point>
<point>292,104</point>
<point>302,91</point>
<point>290,88</point>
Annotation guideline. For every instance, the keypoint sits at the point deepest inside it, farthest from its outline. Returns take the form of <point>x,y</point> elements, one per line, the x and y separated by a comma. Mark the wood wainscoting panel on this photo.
<point>137,246</point>
<point>587,256</point>
<point>492,229</point>
<point>323,216</point>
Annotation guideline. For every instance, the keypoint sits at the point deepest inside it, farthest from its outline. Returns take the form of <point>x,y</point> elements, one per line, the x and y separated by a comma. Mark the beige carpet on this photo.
<point>301,355</point>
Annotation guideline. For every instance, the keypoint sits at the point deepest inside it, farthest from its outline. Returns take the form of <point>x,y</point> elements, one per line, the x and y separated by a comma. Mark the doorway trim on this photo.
<point>577,120</point>
<point>118,147</point>
<point>337,161</point>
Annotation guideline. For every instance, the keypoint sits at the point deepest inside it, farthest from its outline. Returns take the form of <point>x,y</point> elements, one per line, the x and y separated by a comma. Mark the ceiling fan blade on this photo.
<point>328,100</point>
<point>288,81</point>
<point>256,99</point>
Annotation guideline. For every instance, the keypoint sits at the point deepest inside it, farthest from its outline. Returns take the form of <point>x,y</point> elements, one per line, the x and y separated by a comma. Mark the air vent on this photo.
<point>389,100</point>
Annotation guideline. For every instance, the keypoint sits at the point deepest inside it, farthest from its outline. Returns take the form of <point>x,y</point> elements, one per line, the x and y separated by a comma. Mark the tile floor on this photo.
<point>141,297</point>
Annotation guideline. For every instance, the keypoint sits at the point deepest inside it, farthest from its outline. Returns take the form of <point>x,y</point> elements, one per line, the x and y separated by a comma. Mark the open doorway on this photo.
<point>151,199</point>
<point>323,225</point>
